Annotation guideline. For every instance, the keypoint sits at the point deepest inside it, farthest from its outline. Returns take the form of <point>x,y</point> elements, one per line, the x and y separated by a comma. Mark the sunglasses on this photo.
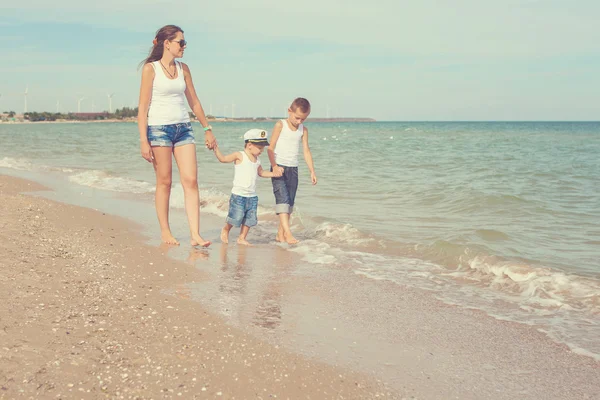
<point>181,42</point>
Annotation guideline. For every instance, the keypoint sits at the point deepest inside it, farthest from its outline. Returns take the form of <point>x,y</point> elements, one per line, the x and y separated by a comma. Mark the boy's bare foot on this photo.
<point>243,241</point>
<point>198,241</point>
<point>224,235</point>
<point>168,238</point>
<point>290,239</point>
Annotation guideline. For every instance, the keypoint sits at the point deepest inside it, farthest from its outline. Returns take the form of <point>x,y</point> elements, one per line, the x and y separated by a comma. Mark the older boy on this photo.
<point>283,155</point>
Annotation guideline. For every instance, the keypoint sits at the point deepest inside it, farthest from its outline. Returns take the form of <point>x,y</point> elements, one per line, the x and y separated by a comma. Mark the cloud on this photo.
<point>463,27</point>
<point>379,58</point>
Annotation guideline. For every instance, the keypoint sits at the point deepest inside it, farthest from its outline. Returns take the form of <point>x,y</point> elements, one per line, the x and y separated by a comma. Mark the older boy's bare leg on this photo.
<point>279,236</point>
<point>225,233</point>
<point>243,233</point>
<point>284,222</point>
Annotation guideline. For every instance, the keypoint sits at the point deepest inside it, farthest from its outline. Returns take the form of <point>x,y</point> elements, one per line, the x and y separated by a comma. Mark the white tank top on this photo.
<point>244,179</point>
<point>167,105</point>
<point>288,145</point>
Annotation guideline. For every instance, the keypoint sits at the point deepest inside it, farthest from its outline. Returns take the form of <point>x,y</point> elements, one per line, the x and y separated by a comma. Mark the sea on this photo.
<point>501,217</point>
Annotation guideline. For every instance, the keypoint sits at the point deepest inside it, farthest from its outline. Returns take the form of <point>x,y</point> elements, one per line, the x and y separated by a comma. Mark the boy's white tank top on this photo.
<point>287,147</point>
<point>244,179</point>
<point>167,105</point>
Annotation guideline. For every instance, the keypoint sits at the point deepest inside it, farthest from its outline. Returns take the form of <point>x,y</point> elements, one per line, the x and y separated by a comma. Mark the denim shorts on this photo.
<point>242,211</point>
<point>171,135</point>
<point>284,189</point>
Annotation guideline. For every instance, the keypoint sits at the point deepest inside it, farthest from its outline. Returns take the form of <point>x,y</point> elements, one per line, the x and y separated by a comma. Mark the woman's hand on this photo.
<point>209,140</point>
<point>147,151</point>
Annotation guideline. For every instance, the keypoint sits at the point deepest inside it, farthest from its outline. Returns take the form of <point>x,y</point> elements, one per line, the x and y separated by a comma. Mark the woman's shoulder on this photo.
<point>148,67</point>
<point>184,66</point>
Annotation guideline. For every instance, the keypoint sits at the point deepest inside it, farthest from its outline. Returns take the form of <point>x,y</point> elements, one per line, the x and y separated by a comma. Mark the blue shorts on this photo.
<point>284,189</point>
<point>242,211</point>
<point>171,135</point>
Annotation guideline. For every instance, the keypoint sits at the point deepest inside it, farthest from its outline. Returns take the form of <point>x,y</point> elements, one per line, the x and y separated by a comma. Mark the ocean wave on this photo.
<point>538,287</point>
<point>341,233</point>
<point>565,306</point>
<point>103,180</point>
<point>20,164</point>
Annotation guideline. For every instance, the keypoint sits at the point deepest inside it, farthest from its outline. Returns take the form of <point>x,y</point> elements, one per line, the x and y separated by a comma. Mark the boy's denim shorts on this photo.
<point>284,189</point>
<point>171,135</point>
<point>242,211</point>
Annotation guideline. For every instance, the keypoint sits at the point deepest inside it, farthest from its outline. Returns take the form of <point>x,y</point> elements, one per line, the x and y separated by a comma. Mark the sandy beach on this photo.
<point>83,315</point>
<point>94,311</point>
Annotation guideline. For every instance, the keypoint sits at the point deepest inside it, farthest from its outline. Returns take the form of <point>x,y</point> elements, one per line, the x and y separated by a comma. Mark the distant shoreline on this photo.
<point>113,120</point>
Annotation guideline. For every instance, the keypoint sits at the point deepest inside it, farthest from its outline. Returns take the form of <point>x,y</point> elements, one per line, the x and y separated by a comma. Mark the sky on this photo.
<point>385,59</point>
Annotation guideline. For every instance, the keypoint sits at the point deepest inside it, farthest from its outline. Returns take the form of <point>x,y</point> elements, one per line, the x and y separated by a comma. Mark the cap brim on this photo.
<point>258,141</point>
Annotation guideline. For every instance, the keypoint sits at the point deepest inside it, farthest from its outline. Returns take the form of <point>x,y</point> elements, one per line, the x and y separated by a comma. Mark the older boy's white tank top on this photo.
<point>167,105</point>
<point>287,147</point>
<point>244,179</point>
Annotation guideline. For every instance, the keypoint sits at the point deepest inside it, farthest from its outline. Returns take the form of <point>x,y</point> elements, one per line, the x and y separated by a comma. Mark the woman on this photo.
<point>165,128</point>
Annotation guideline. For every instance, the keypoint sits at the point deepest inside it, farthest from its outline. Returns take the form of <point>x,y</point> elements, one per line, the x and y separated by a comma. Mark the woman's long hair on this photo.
<point>167,32</point>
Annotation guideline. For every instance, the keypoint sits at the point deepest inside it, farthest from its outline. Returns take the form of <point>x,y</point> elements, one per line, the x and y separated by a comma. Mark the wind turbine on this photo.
<point>93,106</point>
<point>79,104</point>
<point>232,111</point>
<point>110,96</point>
<point>225,111</point>
<point>57,105</point>
<point>25,104</point>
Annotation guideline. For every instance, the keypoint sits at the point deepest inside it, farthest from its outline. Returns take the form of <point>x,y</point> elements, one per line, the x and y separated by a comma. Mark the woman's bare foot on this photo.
<point>243,241</point>
<point>279,237</point>
<point>290,239</point>
<point>224,235</point>
<point>198,241</point>
<point>168,238</point>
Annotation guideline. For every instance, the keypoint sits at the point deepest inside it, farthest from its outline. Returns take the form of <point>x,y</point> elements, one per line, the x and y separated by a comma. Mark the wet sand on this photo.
<point>84,315</point>
<point>143,320</point>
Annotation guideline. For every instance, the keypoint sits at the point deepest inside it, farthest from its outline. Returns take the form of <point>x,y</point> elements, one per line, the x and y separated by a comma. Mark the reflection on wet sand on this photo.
<point>251,291</point>
<point>233,279</point>
<point>197,254</point>
<point>268,314</point>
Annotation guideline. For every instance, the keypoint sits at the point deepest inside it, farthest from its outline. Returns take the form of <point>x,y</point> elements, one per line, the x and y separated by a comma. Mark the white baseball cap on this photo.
<point>256,136</point>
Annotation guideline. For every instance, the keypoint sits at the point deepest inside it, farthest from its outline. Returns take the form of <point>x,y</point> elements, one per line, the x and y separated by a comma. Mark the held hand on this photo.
<point>147,152</point>
<point>209,140</point>
<point>313,178</point>
<point>277,171</point>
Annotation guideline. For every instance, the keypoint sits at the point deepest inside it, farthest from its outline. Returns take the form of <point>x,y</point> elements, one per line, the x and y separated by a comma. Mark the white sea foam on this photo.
<point>567,306</point>
<point>20,164</point>
<point>103,180</point>
<point>341,233</point>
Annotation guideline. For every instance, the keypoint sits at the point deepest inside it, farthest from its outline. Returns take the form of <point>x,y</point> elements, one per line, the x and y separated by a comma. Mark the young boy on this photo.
<point>244,202</point>
<point>283,155</point>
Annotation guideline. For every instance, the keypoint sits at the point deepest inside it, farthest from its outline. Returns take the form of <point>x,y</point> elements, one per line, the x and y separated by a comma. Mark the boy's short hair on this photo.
<point>301,103</point>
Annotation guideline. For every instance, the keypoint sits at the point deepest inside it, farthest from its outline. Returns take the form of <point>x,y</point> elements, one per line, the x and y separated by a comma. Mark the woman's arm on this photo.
<point>194,102</point>
<point>143,106</point>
